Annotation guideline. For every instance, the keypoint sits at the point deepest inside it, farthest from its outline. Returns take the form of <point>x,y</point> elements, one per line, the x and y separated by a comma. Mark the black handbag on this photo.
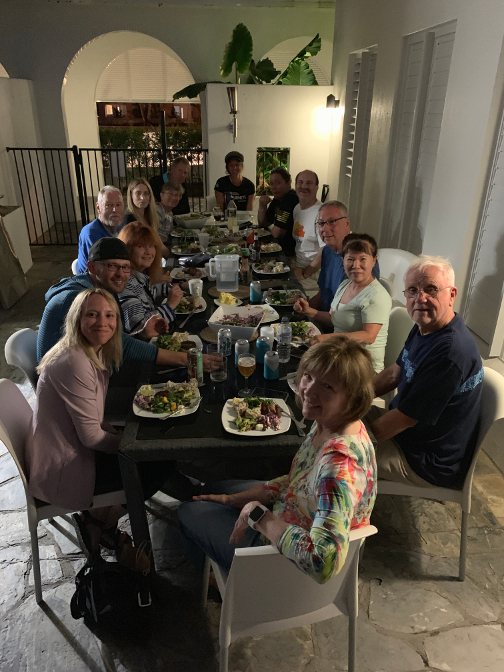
<point>109,593</point>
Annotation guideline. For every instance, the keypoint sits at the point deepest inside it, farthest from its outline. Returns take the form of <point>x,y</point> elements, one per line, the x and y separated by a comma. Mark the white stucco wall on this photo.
<point>456,191</point>
<point>270,116</point>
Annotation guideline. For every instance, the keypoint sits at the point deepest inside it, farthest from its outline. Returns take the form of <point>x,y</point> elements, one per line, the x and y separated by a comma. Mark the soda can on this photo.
<point>242,347</point>
<point>262,346</point>
<point>199,366</point>
<point>271,365</point>
<point>255,291</point>
<point>224,342</point>
<point>192,363</point>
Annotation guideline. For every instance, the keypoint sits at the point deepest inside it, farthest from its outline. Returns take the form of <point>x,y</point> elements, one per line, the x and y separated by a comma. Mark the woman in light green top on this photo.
<point>361,306</point>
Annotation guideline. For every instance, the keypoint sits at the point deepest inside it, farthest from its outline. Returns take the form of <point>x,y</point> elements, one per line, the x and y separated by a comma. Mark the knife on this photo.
<point>184,322</point>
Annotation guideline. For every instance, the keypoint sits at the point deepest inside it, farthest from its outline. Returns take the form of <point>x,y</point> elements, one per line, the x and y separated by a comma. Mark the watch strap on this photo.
<point>252,523</point>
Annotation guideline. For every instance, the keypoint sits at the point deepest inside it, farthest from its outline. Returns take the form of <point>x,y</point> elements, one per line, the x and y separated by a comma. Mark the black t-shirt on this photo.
<point>238,194</point>
<point>280,213</point>
<point>440,386</point>
<point>182,208</point>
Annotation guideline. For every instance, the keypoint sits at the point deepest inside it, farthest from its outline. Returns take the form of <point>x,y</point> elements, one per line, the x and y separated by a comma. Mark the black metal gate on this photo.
<point>58,186</point>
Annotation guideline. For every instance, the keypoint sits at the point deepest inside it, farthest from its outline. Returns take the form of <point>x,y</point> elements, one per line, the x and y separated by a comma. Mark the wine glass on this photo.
<point>246,366</point>
<point>217,213</point>
<point>204,240</point>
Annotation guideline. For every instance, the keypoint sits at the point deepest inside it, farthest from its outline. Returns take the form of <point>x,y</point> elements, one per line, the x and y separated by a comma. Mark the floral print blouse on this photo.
<point>329,490</point>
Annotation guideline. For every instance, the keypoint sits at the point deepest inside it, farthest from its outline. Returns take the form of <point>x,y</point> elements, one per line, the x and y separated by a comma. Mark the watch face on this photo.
<point>257,513</point>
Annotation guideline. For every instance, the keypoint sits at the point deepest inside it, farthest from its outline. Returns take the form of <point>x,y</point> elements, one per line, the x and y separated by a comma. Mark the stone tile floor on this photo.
<point>414,614</point>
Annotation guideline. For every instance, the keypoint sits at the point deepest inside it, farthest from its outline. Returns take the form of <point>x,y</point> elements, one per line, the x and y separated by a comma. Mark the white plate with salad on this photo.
<point>180,273</point>
<point>172,341</point>
<point>302,331</point>
<point>186,304</point>
<point>250,418</point>
<point>271,268</point>
<point>167,400</point>
<point>284,297</point>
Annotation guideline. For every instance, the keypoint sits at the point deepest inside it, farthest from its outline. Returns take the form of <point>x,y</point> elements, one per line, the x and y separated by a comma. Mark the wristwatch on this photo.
<point>256,514</point>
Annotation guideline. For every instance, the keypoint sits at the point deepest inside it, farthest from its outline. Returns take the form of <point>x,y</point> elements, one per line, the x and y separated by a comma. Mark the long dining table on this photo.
<point>201,435</point>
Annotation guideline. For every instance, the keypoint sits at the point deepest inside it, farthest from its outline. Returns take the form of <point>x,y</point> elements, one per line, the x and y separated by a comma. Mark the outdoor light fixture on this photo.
<point>331,103</point>
<point>232,92</point>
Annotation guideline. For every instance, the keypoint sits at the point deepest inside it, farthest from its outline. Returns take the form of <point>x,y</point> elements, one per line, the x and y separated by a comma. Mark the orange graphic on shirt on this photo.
<point>298,230</point>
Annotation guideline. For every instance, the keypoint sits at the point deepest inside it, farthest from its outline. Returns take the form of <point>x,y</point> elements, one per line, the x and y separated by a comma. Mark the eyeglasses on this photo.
<point>431,291</point>
<point>126,268</point>
<point>330,222</point>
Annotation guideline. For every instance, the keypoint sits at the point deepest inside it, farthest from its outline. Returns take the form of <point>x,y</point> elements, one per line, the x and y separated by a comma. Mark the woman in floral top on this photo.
<point>329,490</point>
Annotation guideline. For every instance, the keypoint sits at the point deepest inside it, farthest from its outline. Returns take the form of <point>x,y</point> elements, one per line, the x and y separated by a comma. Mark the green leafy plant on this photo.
<point>238,57</point>
<point>267,159</point>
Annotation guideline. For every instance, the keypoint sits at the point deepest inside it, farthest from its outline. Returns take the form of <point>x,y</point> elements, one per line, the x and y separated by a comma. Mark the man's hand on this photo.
<point>211,362</point>
<point>264,200</point>
<point>174,296</point>
<point>154,326</point>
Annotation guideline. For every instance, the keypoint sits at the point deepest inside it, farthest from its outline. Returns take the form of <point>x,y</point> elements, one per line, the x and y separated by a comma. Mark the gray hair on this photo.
<point>427,260</point>
<point>108,188</point>
<point>335,204</point>
<point>180,159</point>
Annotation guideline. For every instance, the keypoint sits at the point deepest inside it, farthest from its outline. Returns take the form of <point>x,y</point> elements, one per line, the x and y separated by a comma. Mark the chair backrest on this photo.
<point>15,417</point>
<point>491,410</point>
<point>21,351</point>
<point>393,265</point>
<point>210,203</point>
<point>266,592</point>
<point>400,324</point>
<point>74,266</point>
<point>389,286</point>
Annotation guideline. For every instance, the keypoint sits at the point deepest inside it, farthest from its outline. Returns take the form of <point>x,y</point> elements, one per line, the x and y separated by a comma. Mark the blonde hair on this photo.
<point>111,351</point>
<point>137,233</point>
<point>350,365</point>
<point>149,216</point>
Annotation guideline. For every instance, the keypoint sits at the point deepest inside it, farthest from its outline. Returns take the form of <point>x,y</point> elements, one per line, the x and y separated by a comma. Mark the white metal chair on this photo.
<point>15,416</point>
<point>21,351</point>
<point>393,265</point>
<point>492,409</point>
<point>265,592</point>
<point>74,266</point>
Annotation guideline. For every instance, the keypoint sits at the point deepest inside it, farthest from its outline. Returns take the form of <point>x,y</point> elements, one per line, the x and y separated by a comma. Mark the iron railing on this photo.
<point>59,186</point>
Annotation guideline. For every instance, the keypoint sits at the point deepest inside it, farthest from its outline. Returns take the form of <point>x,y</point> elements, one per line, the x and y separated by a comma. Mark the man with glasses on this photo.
<point>428,436</point>
<point>333,225</point>
<point>110,209</point>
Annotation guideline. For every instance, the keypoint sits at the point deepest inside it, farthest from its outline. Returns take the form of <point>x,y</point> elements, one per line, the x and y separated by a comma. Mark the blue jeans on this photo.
<point>206,526</point>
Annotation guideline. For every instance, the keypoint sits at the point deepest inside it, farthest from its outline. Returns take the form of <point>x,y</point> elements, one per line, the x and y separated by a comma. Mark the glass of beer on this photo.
<point>246,366</point>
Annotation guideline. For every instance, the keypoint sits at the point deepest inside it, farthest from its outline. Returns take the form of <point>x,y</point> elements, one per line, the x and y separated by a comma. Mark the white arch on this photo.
<point>78,93</point>
<point>284,51</point>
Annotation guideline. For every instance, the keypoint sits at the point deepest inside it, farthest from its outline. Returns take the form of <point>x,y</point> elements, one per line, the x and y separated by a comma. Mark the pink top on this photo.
<point>67,428</point>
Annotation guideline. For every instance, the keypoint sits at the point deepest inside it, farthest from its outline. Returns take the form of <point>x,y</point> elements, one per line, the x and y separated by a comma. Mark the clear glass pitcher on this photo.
<point>225,268</point>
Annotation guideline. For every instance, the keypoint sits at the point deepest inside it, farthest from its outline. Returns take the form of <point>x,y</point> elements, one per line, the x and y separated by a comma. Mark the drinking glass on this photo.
<point>246,366</point>
<point>204,239</point>
<point>219,373</point>
<point>217,213</point>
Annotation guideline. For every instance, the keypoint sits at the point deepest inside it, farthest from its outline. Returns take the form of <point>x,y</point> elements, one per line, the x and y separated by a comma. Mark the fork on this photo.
<point>299,425</point>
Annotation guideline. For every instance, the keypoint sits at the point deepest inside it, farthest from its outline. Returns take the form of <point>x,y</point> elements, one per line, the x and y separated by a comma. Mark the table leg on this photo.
<point>134,499</point>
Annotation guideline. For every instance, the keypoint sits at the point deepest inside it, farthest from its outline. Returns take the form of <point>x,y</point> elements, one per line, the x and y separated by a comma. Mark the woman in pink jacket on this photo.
<point>71,450</point>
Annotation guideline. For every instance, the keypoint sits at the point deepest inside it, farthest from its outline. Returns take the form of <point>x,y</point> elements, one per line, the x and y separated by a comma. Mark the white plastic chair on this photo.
<point>389,286</point>
<point>400,324</point>
<point>74,266</point>
<point>265,592</point>
<point>492,409</point>
<point>393,265</point>
<point>15,416</point>
<point>210,203</point>
<point>21,351</point>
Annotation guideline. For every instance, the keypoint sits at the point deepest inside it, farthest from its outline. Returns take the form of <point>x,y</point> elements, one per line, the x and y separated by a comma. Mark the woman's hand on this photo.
<point>241,524</point>
<point>320,338</point>
<point>174,296</point>
<point>225,500</point>
<point>166,277</point>
<point>302,306</point>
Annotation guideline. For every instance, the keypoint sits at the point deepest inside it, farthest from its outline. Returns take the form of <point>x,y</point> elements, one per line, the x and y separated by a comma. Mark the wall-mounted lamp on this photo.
<point>331,103</point>
<point>232,92</point>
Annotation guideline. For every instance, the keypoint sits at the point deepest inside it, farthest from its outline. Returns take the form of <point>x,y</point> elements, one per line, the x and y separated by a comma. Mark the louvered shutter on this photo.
<point>142,75</point>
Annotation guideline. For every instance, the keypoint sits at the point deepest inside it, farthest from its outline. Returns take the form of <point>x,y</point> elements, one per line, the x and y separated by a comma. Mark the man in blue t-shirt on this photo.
<point>110,209</point>
<point>429,434</point>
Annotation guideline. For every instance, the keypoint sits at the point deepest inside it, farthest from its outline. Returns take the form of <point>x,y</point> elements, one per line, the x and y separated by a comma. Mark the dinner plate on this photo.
<point>267,299</point>
<point>218,303</point>
<point>178,274</point>
<point>297,340</point>
<point>270,314</point>
<point>189,253</point>
<point>189,233</point>
<point>286,270</point>
<point>187,410</point>
<point>198,343</point>
<point>274,247</point>
<point>291,382</point>
<point>191,312</point>
<point>229,414</point>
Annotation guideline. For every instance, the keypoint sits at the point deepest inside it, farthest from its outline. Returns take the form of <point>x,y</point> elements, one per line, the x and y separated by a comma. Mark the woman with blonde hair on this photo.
<point>140,296</point>
<point>141,204</point>
<point>330,489</point>
<point>71,449</point>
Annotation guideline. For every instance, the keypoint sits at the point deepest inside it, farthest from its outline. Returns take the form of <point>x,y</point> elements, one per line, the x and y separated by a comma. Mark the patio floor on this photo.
<point>414,614</point>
